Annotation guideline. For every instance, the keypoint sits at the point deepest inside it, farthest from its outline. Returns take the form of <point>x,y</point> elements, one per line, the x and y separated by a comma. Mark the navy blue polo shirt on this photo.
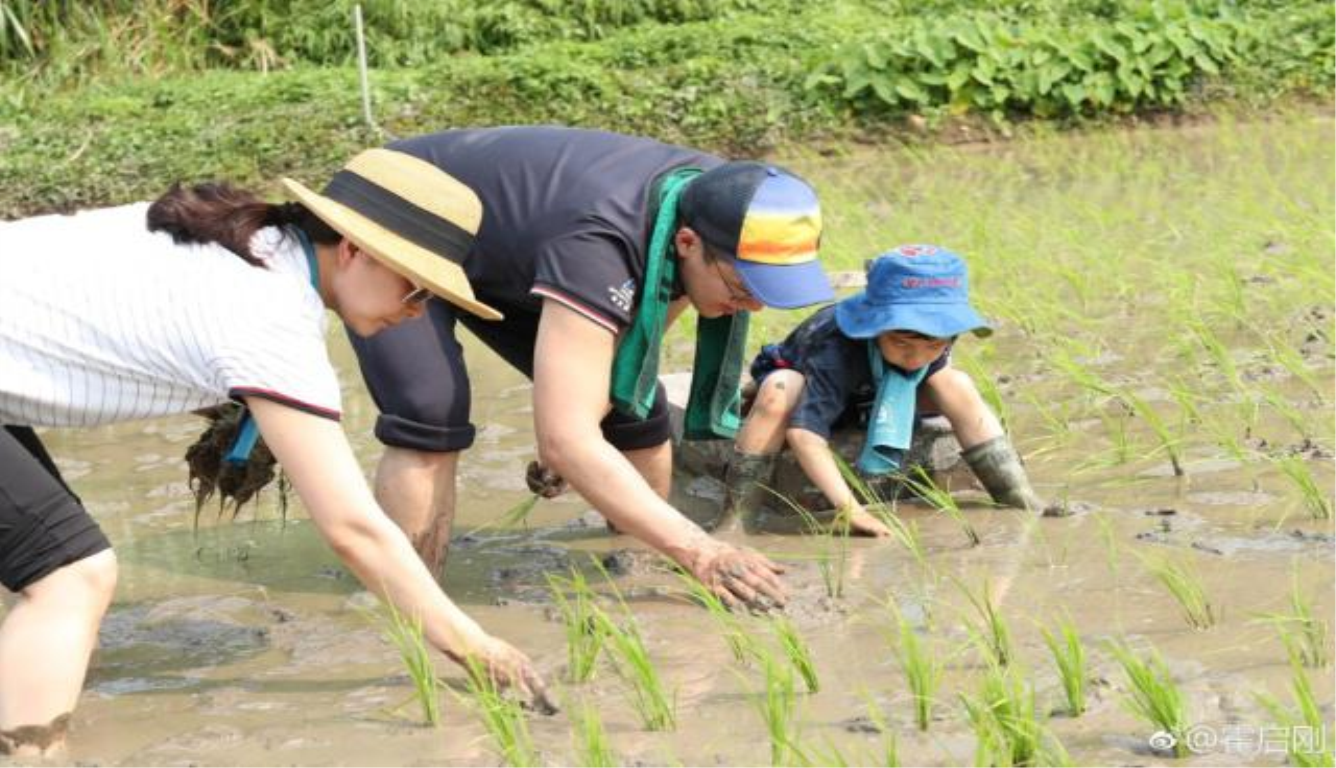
<point>566,213</point>
<point>838,388</point>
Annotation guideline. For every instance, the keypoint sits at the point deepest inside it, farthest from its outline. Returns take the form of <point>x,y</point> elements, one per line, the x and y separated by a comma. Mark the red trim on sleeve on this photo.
<point>237,393</point>
<point>548,292</point>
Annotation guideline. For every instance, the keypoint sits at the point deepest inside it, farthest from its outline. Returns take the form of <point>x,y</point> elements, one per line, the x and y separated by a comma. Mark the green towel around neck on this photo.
<point>714,406</point>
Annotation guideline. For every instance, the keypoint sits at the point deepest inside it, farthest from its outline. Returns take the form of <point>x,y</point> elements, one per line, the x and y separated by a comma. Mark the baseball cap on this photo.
<point>769,221</point>
<point>920,288</point>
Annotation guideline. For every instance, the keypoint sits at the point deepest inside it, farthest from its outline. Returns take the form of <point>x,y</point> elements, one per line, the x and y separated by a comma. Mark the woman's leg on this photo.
<point>53,555</point>
<point>46,641</point>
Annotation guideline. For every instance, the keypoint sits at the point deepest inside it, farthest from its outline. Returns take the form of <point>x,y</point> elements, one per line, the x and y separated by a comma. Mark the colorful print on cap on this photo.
<point>783,223</point>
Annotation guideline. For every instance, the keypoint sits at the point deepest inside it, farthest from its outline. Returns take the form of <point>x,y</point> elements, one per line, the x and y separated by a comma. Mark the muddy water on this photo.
<point>247,643</point>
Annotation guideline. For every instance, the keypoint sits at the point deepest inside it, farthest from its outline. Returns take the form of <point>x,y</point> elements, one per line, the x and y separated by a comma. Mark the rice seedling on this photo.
<point>921,483</point>
<point>591,740</point>
<point>579,615</point>
<point>1284,353</point>
<point>1170,444</point>
<point>1006,727</point>
<point>890,746</point>
<point>406,635</point>
<point>796,651</point>
<point>1153,695</point>
<point>1296,469</point>
<point>1305,636</point>
<point>833,556</point>
<point>1180,578</point>
<point>1278,403</point>
<point>1070,659</point>
<point>778,706</point>
<point>991,631</point>
<point>1110,542</point>
<point>921,667</point>
<point>626,646</point>
<point>905,533</point>
<point>502,716</point>
<point>741,643</point>
<point>1306,729</point>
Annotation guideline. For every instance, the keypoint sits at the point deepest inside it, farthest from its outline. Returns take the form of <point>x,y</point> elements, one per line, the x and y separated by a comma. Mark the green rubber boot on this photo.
<point>998,466</point>
<point>748,480</point>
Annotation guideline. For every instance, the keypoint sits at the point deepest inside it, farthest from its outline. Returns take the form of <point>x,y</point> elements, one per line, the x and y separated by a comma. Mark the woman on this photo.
<point>205,296</point>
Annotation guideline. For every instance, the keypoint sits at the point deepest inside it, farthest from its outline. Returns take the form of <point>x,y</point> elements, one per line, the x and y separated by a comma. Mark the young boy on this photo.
<point>886,354</point>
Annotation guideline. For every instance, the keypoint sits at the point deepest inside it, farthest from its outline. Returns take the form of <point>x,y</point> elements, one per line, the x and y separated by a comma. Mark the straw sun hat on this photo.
<point>410,215</point>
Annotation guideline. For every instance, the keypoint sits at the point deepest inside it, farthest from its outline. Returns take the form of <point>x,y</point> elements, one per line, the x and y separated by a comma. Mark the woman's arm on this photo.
<point>318,460</point>
<point>572,373</point>
<point>813,453</point>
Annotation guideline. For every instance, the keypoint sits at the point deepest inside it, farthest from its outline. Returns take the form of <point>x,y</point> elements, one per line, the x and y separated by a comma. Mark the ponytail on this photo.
<point>223,214</point>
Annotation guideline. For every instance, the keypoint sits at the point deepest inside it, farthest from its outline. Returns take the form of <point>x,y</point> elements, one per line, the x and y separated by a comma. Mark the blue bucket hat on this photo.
<point>919,288</point>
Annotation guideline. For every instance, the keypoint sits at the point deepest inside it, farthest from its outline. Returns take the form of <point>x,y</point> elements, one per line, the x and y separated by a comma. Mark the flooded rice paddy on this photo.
<point>1164,305</point>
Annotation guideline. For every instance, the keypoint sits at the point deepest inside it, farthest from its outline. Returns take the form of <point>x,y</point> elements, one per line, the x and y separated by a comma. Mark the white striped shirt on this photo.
<point>103,321</point>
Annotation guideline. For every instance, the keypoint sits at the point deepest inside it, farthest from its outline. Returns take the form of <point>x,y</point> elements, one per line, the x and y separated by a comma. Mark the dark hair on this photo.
<point>220,213</point>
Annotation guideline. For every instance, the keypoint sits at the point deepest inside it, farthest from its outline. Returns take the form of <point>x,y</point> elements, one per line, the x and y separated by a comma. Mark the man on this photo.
<point>576,288</point>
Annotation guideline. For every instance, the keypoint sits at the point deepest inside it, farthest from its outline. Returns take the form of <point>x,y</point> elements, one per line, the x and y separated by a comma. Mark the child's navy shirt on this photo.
<point>839,388</point>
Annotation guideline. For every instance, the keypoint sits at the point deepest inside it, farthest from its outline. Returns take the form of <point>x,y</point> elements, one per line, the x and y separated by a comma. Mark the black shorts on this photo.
<point>43,525</point>
<point>416,375</point>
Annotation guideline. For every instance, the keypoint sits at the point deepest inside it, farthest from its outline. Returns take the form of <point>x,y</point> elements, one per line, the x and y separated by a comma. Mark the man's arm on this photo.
<point>572,375</point>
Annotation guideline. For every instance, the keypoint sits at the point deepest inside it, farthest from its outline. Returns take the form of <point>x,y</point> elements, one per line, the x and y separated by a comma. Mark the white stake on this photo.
<point>361,68</point>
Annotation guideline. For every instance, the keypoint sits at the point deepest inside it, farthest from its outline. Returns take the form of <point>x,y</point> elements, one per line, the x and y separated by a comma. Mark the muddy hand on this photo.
<point>740,576</point>
<point>544,481</point>
<point>510,668</point>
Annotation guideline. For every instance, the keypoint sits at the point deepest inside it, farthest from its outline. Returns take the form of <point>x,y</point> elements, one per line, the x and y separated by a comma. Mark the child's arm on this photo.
<point>813,453</point>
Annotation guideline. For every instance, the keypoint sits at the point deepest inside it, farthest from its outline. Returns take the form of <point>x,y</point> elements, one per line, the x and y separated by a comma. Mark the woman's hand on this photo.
<point>739,576</point>
<point>508,667</point>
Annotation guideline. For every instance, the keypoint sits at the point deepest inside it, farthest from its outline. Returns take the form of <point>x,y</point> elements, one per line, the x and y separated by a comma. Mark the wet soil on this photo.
<point>247,643</point>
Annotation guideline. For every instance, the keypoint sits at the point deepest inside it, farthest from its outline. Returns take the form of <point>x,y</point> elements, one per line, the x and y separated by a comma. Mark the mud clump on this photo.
<point>211,473</point>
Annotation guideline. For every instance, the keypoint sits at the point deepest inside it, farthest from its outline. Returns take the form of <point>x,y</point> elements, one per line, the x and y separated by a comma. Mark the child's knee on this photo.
<point>778,395</point>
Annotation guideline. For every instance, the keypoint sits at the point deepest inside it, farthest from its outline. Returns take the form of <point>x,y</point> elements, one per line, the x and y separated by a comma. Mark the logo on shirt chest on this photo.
<point>624,296</point>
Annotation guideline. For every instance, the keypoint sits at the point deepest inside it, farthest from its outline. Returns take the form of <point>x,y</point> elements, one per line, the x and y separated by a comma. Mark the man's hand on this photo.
<point>544,482</point>
<point>739,576</point>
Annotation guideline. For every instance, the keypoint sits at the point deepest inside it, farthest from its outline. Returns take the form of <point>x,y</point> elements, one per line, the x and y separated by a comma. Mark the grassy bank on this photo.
<point>78,129</point>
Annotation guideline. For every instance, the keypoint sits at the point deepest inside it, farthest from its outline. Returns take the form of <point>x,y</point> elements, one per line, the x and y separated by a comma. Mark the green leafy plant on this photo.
<point>1006,727</point>
<point>1070,659</point>
<point>1180,578</point>
<point>1153,695</point>
<point>796,651</point>
<point>1305,636</point>
<point>921,666</point>
<point>1315,501</point>
<point>990,630</point>
<point>501,716</point>
<point>1306,729</point>
<point>649,697</point>
<point>591,740</point>
<point>741,643</point>
<point>921,483</point>
<point>580,616</point>
<point>406,635</point>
